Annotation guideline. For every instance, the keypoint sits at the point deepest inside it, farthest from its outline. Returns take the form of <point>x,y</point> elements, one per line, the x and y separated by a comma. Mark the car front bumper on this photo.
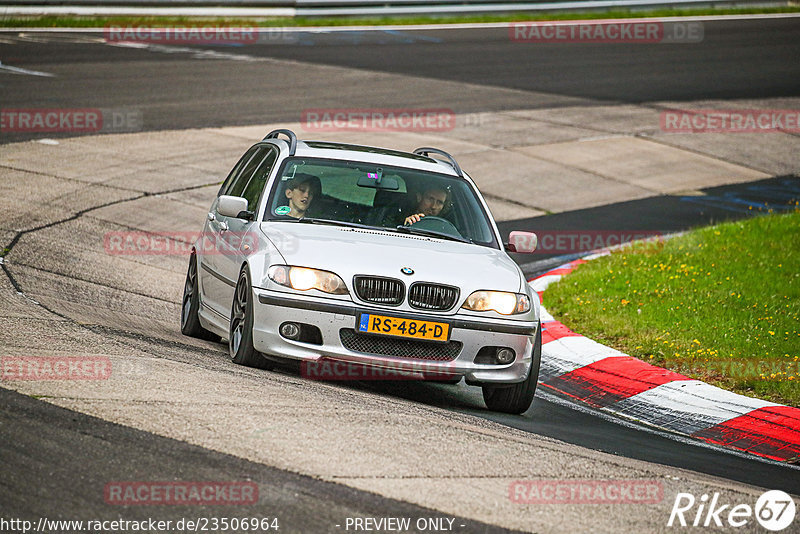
<point>272,309</point>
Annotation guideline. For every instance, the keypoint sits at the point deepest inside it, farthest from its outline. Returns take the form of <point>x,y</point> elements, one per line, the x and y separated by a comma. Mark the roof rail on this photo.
<point>288,133</point>
<point>425,150</point>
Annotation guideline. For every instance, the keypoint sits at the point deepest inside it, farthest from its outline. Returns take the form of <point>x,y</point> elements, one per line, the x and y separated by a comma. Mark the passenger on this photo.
<point>301,191</point>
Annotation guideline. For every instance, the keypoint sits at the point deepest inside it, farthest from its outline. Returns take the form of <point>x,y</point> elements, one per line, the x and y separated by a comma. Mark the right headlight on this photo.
<point>304,278</point>
<point>500,301</point>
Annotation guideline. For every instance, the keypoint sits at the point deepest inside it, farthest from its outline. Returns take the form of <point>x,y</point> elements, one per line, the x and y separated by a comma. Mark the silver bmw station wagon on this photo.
<point>354,257</point>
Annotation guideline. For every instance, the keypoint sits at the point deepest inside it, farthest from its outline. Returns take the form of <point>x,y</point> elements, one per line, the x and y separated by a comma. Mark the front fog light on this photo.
<point>504,356</point>
<point>290,330</point>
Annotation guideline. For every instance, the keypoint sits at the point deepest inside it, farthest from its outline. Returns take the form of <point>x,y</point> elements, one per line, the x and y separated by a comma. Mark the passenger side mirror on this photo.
<point>522,242</point>
<point>232,207</point>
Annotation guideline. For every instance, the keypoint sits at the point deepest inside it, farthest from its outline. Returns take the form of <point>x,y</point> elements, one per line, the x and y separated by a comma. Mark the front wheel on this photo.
<point>240,333</point>
<point>517,398</point>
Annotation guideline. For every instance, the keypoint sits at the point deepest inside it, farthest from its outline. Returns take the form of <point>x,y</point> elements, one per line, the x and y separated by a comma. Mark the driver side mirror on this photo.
<point>229,206</point>
<point>522,242</point>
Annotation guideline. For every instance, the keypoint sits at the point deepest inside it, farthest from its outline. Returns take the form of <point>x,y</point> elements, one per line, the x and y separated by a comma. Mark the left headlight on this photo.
<point>499,301</point>
<point>303,279</point>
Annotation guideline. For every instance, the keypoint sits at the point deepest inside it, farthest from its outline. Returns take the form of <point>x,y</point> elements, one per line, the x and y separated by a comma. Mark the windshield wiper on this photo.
<point>314,220</point>
<point>431,233</point>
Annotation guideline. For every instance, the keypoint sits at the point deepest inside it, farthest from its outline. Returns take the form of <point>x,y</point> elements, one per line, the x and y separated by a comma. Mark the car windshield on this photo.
<point>378,196</point>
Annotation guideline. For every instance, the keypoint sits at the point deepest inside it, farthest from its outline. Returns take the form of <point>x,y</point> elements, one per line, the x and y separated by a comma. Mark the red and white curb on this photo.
<point>615,383</point>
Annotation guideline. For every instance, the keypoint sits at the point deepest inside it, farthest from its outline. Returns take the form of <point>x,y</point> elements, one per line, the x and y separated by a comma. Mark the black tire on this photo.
<point>190,305</point>
<point>240,333</point>
<point>517,398</point>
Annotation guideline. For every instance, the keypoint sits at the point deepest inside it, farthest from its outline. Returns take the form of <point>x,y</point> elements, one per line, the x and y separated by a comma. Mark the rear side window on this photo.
<point>240,182</point>
<point>226,185</point>
<point>252,191</point>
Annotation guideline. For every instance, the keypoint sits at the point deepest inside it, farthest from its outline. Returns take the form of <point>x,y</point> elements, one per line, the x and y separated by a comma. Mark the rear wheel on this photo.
<point>517,398</point>
<point>190,322</point>
<point>240,334</point>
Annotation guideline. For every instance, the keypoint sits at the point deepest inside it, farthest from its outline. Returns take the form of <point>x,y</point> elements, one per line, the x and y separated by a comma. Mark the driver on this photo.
<point>430,202</point>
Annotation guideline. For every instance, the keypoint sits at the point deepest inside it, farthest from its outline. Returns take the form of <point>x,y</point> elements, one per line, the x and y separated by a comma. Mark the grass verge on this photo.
<point>720,304</point>
<point>100,22</point>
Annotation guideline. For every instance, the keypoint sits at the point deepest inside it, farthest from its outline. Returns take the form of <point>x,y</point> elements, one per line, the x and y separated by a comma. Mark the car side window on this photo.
<point>254,188</point>
<point>235,172</point>
<point>241,181</point>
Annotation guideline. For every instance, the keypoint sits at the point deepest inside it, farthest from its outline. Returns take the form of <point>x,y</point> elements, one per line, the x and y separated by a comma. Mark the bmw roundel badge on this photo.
<point>407,270</point>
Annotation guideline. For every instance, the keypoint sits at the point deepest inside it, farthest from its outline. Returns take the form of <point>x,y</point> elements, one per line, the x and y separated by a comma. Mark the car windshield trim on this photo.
<point>317,220</point>
<point>468,213</point>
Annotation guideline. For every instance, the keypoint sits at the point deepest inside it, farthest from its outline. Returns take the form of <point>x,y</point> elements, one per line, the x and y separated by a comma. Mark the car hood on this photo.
<point>351,251</point>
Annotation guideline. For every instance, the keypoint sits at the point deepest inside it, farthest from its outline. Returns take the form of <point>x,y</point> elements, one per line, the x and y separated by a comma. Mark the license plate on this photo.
<point>399,327</point>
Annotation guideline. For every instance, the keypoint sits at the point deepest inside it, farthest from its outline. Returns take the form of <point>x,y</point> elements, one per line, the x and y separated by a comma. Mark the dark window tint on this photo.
<point>226,185</point>
<point>241,181</point>
<point>252,191</point>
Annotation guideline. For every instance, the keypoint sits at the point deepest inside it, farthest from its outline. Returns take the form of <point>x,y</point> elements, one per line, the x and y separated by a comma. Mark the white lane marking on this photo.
<point>686,406</point>
<point>17,70</point>
<point>196,53</point>
<point>52,142</point>
<point>41,37</point>
<point>99,11</point>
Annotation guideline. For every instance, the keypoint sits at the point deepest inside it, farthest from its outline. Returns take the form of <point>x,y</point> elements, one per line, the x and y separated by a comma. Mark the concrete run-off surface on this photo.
<point>59,200</point>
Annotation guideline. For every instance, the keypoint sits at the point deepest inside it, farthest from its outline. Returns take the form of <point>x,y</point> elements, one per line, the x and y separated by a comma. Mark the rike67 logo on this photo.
<point>774,511</point>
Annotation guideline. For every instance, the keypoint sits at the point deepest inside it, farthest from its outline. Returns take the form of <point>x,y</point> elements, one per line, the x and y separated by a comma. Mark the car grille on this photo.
<point>426,296</point>
<point>379,290</point>
<point>399,348</point>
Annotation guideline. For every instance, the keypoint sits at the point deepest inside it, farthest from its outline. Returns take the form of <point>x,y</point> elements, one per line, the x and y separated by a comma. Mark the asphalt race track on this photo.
<point>175,90</point>
<point>190,414</point>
